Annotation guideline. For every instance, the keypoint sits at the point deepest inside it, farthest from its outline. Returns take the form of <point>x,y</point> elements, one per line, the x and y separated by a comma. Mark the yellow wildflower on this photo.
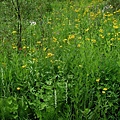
<point>101,36</point>
<point>18,88</point>
<point>38,42</point>
<point>14,32</point>
<point>24,47</point>
<point>77,10</point>
<point>101,30</point>
<point>115,27</point>
<point>65,40</point>
<point>105,89</point>
<point>14,47</point>
<point>103,92</point>
<point>78,45</point>
<point>71,37</point>
<point>98,80</point>
<point>87,30</point>
<point>49,55</point>
<point>54,39</point>
<point>87,39</point>
<point>93,41</point>
<point>24,66</point>
<point>44,49</point>
<point>80,66</point>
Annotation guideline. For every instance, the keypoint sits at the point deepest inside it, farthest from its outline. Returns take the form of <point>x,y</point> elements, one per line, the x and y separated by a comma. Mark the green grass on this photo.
<point>68,67</point>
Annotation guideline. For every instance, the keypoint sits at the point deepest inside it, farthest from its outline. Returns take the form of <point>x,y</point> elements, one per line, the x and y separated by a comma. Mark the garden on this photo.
<point>60,60</point>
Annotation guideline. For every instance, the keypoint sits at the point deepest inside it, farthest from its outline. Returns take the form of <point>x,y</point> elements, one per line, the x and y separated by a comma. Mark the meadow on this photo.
<point>60,60</point>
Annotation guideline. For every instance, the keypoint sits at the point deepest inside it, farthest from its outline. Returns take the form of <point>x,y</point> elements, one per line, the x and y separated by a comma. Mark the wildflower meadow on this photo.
<point>60,60</point>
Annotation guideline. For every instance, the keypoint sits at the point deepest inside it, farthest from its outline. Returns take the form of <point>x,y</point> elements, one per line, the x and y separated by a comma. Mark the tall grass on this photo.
<point>69,65</point>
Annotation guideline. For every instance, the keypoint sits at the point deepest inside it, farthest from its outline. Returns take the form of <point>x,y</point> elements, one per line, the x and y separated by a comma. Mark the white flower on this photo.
<point>32,23</point>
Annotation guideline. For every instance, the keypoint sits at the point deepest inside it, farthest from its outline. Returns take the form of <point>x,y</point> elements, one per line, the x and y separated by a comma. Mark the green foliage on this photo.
<point>68,67</point>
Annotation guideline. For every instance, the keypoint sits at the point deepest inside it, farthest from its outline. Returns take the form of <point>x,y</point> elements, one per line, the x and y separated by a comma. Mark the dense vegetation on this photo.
<point>60,60</point>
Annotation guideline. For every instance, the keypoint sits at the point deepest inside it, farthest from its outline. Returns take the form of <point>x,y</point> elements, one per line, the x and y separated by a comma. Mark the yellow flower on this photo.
<point>14,47</point>
<point>93,41</point>
<point>115,27</point>
<point>18,88</point>
<point>24,66</point>
<point>44,49</point>
<point>112,39</point>
<point>23,39</point>
<point>101,30</point>
<point>105,89</point>
<point>65,40</point>
<point>38,42</point>
<point>54,39</point>
<point>87,30</point>
<point>35,60</point>
<point>14,32</point>
<point>80,66</point>
<point>87,39</point>
<point>103,92</point>
<point>58,67</point>
<point>101,36</point>
<point>71,37</point>
<point>49,23</point>
<point>78,45</point>
<point>80,38</point>
<point>49,55</point>
<point>24,47</point>
<point>98,80</point>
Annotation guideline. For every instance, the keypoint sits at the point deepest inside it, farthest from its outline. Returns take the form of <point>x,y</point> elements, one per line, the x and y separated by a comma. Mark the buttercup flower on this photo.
<point>98,80</point>
<point>18,88</point>
<point>105,89</point>
<point>103,92</point>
